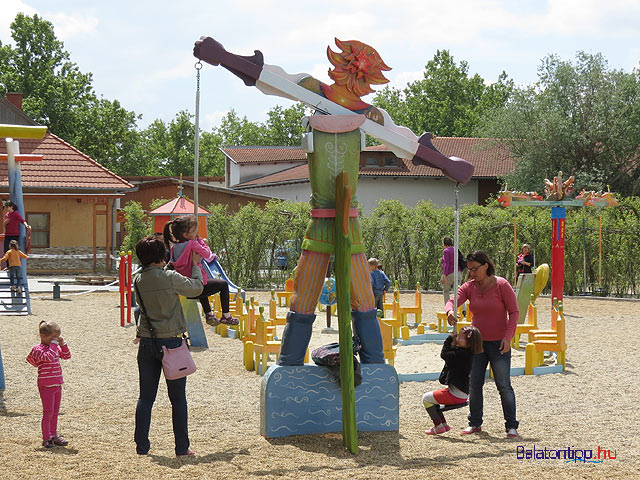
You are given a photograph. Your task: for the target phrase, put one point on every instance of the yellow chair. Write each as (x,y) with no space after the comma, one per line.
(547,341)
(386,306)
(416,309)
(442,326)
(273,311)
(249,327)
(286,294)
(396,320)
(387,341)
(263,344)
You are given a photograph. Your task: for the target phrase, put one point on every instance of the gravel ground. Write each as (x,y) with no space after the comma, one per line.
(591,405)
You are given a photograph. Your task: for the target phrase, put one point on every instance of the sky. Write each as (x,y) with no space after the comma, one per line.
(141,52)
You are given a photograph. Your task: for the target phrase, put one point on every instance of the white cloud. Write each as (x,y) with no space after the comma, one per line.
(401,79)
(69,25)
(212,120)
(9,9)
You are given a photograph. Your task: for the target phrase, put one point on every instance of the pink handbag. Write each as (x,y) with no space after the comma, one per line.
(177,362)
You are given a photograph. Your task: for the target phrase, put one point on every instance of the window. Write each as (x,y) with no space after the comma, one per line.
(39,223)
(371,162)
(390,162)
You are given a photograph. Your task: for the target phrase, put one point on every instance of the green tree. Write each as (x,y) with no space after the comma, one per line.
(137,225)
(447,101)
(58,95)
(580,117)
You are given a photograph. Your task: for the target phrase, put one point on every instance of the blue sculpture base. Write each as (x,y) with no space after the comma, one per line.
(307,399)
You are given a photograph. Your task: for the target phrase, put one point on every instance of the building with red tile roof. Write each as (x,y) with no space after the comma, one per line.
(283,173)
(69,200)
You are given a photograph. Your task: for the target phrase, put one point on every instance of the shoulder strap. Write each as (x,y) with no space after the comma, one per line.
(142,309)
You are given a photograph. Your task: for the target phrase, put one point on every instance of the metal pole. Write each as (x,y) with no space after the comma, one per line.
(584,253)
(197,142)
(456,231)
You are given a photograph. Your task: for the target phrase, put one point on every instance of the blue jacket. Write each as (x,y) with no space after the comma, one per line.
(380,282)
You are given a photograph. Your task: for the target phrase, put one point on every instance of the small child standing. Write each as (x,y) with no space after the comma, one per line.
(379,282)
(181,238)
(13,256)
(46,356)
(457,353)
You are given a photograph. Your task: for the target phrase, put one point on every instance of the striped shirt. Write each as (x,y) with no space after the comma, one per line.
(47,359)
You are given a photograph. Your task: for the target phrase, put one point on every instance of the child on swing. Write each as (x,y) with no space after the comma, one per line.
(181,238)
(457,353)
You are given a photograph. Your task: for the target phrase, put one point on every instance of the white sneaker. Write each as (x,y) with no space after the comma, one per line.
(512,433)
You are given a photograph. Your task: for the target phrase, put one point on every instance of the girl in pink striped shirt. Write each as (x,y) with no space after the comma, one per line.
(46,356)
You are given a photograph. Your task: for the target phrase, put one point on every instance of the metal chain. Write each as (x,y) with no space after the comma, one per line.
(196,162)
(198,66)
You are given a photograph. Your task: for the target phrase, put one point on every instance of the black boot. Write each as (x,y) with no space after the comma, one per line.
(295,338)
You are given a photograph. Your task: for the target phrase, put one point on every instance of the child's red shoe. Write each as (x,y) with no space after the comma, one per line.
(442,428)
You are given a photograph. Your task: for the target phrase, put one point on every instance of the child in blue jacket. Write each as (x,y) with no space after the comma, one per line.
(379,282)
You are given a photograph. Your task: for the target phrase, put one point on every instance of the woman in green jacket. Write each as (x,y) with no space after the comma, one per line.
(162,323)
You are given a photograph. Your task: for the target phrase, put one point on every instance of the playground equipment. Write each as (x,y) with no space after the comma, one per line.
(328,301)
(388,347)
(333,151)
(177,207)
(558,199)
(286,294)
(13,158)
(415,309)
(397,320)
(273,315)
(263,344)
(552,340)
(191,312)
(530,324)
(125,287)
(213,269)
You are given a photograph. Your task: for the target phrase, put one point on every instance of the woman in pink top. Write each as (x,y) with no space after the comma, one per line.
(495,313)
(46,356)
(181,237)
(12,221)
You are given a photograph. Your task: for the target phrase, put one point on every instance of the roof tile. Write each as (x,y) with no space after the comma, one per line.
(489,160)
(63,166)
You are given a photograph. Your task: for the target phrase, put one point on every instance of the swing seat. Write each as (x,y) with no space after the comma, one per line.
(444,408)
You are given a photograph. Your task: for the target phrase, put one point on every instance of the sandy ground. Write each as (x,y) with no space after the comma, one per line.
(592,405)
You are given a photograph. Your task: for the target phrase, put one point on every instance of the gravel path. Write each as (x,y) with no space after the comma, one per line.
(592,405)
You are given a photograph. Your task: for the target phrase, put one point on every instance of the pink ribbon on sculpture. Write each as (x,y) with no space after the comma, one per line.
(331,213)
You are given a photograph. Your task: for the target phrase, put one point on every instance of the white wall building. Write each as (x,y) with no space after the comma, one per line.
(281,172)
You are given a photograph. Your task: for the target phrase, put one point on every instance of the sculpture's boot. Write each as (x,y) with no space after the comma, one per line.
(367,329)
(295,338)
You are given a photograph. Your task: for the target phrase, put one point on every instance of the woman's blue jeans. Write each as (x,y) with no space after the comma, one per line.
(149,368)
(501,366)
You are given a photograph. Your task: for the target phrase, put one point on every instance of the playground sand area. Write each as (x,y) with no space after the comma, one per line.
(591,405)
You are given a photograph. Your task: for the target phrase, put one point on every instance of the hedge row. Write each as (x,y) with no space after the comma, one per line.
(253,242)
